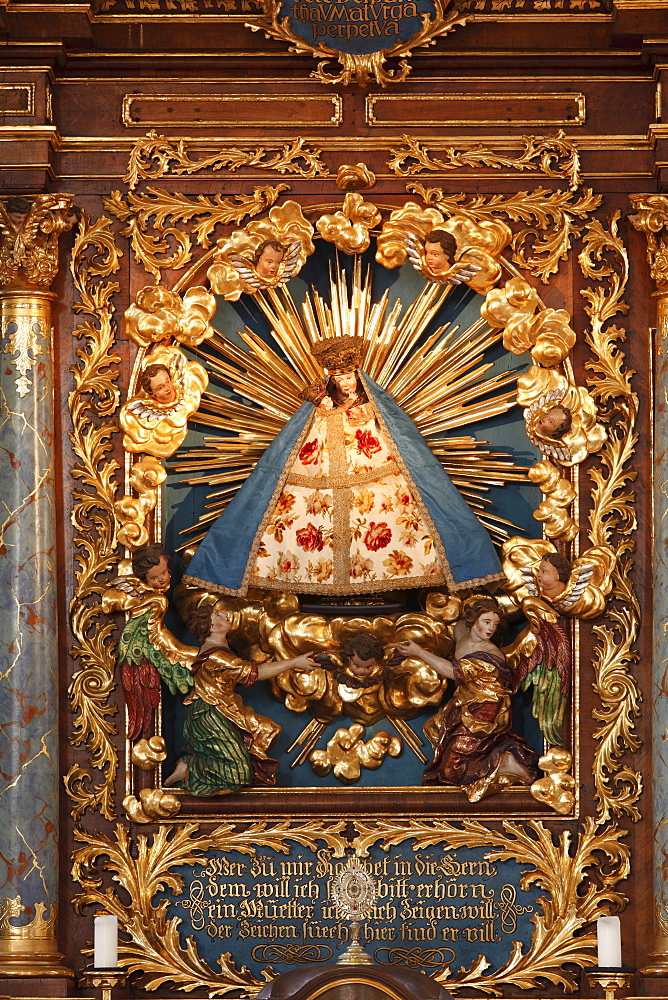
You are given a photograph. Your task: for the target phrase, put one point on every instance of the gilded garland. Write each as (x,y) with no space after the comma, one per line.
(499,240)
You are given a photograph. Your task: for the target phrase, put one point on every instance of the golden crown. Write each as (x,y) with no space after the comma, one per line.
(339,354)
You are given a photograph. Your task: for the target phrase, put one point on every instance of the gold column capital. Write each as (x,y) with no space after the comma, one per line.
(652,220)
(29,231)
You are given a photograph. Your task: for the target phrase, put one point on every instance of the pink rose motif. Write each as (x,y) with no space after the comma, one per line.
(310,538)
(377,536)
(367,444)
(310,453)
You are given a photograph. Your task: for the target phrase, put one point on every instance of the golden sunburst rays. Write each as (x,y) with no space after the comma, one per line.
(442,381)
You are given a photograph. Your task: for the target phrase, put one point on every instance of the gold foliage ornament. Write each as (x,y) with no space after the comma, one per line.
(150,941)
(157,424)
(360,68)
(349,229)
(29,245)
(546,333)
(157,155)
(553,156)
(347,753)
(234,269)
(559,864)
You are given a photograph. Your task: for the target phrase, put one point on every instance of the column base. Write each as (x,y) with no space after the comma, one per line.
(658,960)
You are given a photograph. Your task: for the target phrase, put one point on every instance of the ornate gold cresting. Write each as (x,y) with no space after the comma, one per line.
(29,949)
(156,155)
(361,68)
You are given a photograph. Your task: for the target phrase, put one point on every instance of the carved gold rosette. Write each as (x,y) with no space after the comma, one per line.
(521,236)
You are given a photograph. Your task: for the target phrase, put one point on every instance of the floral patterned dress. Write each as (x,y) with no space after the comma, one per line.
(346,520)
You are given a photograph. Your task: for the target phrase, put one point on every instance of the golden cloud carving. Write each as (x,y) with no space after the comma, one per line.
(153,804)
(547,334)
(233,269)
(354,177)
(553,510)
(347,753)
(349,229)
(556,788)
(159,314)
(157,426)
(584,592)
(391,246)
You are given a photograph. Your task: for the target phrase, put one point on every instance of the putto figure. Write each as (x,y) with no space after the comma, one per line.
(155,421)
(475,747)
(347,499)
(273,264)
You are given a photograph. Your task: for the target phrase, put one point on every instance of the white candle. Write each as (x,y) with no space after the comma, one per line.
(105,942)
(609,940)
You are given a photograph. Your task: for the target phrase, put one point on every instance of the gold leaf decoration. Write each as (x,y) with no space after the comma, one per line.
(170,247)
(347,754)
(156,156)
(556,788)
(558,866)
(552,218)
(93,400)
(153,804)
(150,941)
(612,520)
(553,156)
(354,177)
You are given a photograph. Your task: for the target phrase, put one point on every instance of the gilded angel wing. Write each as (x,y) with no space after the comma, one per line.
(541,657)
(414,251)
(527,575)
(247,272)
(290,261)
(580,577)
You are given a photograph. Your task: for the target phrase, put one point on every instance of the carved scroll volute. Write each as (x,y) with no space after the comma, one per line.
(29,231)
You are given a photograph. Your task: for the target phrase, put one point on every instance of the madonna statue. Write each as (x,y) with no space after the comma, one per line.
(348,499)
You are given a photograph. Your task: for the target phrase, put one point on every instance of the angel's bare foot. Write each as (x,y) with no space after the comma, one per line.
(180,773)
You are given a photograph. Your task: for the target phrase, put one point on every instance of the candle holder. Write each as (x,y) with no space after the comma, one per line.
(104,979)
(611,979)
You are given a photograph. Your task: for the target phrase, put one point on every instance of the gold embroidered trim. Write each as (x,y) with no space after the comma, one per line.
(338,464)
(343,482)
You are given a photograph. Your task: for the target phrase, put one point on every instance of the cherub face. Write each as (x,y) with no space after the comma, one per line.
(486,625)
(435,256)
(163,389)
(346,383)
(359,667)
(547,423)
(269,262)
(158,577)
(17,219)
(547,576)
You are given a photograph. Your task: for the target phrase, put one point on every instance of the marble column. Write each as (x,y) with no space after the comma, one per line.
(29,774)
(652,219)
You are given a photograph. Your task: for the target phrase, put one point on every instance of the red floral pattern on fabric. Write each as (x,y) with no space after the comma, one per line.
(310,453)
(366,443)
(310,538)
(377,536)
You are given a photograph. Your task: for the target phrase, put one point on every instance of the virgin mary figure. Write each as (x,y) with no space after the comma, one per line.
(347,499)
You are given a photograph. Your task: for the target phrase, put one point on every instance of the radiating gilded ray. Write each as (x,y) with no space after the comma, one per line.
(442,381)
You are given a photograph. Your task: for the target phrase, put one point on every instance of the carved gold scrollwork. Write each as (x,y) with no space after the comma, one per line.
(360,68)
(29,248)
(171,247)
(553,156)
(92,402)
(612,521)
(558,866)
(151,942)
(652,220)
(156,155)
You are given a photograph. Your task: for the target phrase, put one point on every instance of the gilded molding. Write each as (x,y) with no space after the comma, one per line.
(156,156)
(91,405)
